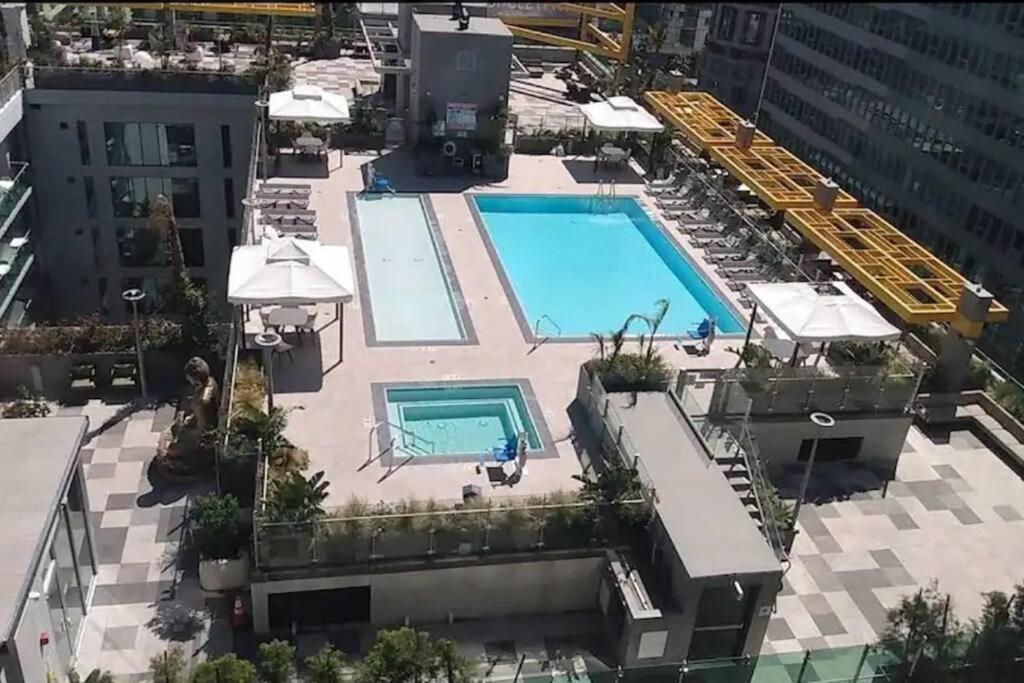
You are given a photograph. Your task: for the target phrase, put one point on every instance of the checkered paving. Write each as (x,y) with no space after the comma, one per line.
(338,75)
(952,514)
(142,601)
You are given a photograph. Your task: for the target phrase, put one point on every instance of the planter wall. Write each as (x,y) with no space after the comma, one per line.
(224,575)
(48,375)
(83,78)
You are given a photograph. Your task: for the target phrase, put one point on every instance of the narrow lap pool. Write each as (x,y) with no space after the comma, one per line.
(467,420)
(587,264)
(410,293)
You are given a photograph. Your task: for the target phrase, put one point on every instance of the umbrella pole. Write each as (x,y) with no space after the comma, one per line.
(341,331)
(750,327)
(796,354)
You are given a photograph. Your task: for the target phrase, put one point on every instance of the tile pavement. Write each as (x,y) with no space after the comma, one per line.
(142,600)
(954,514)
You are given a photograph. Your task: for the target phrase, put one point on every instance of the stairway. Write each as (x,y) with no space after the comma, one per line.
(733,467)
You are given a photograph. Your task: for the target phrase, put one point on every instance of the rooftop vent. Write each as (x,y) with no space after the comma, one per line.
(745,135)
(825,193)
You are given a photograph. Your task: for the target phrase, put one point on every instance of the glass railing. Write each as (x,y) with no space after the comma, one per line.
(782,391)
(16,255)
(12,189)
(11,84)
(531,525)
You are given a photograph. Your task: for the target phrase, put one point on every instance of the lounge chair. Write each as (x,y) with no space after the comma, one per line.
(287,204)
(124,374)
(725,255)
(726,265)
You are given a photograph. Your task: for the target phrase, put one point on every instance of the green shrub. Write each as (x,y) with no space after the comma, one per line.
(326,666)
(168,667)
(89,336)
(218,527)
(277,661)
(28,404)
(226,669)
(631,372)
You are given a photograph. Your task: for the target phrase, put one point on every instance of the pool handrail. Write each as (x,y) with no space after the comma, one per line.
(403,430)
(536,329)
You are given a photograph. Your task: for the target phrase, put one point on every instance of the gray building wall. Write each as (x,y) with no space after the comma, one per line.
(779,439)
(79,251)
(466,592)
(736,53)
(437,78)
(916,109)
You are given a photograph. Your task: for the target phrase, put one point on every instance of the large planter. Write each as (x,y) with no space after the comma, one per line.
(224,575)
(47,375)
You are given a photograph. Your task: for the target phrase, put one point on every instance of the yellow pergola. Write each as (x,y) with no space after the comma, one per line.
(704,121)
(911,281)
(780,179)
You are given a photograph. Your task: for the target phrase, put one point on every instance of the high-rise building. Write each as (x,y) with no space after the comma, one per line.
(685,24)
(918,110)
(736,52)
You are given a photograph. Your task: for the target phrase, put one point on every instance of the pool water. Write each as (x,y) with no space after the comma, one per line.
(409,291)
(589,263)
(458,420)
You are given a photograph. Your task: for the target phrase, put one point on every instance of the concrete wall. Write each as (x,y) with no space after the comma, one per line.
(779,439)
(72,260)
(435,80)
(477,591)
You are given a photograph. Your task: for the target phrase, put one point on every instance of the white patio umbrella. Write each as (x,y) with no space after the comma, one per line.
(308,104)
(620,114)
(291,272)
(806,315)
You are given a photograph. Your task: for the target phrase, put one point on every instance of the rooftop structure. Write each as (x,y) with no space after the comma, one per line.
(702,118)
(912,282)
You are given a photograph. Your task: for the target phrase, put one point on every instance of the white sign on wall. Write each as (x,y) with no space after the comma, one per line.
(460,116)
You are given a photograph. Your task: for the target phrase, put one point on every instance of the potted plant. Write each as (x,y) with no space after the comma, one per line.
(221,537)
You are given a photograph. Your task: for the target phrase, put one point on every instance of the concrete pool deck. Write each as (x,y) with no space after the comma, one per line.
(336,404)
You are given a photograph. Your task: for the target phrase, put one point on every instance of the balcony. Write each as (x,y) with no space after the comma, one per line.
(16,258)
(14,191)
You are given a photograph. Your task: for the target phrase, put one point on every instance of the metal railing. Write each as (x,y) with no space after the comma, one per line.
(11,83)
(802,390)
(430,530)
(12,195)
(394,437)
(605,422)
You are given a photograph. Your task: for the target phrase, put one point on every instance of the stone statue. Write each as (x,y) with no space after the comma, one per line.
(184,453)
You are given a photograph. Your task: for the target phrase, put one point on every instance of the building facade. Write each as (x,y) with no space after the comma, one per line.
(916,109)
(736,52)
(103,148)
(50,558)
(686,25)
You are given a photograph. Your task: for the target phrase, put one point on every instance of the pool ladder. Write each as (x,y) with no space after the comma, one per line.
(537,339)
(391,444)
(605,196)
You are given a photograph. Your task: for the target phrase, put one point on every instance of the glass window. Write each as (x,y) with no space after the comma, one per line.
(158,292)
(225,145)
(90,196)
(150,144)
(131,196)
(66,575)
(753,27)
(229,197)
(80,540)
(83,144)
(726,23)
(141,247)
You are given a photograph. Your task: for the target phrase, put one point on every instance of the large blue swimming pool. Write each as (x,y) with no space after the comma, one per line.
(587,264)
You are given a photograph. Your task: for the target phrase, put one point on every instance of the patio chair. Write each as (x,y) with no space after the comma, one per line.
(125,374)
(82,376)
(702,330)
(725,266)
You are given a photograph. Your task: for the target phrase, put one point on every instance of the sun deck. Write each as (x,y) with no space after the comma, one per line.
(337,412)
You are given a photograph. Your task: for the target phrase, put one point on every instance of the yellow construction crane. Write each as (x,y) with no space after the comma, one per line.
(592,38)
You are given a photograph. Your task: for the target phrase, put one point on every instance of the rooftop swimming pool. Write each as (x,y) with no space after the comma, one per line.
(458,419)
(584,264)
(409,291)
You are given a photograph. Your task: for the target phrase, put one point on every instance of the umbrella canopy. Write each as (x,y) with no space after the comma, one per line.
(806,315)
(310,104)
(620,114)
(290,272)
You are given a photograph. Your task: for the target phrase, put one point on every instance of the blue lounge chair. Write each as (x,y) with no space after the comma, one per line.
(702,330)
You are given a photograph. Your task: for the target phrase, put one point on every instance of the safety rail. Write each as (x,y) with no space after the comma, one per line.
(11,83)
(538,340)
(391,443)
